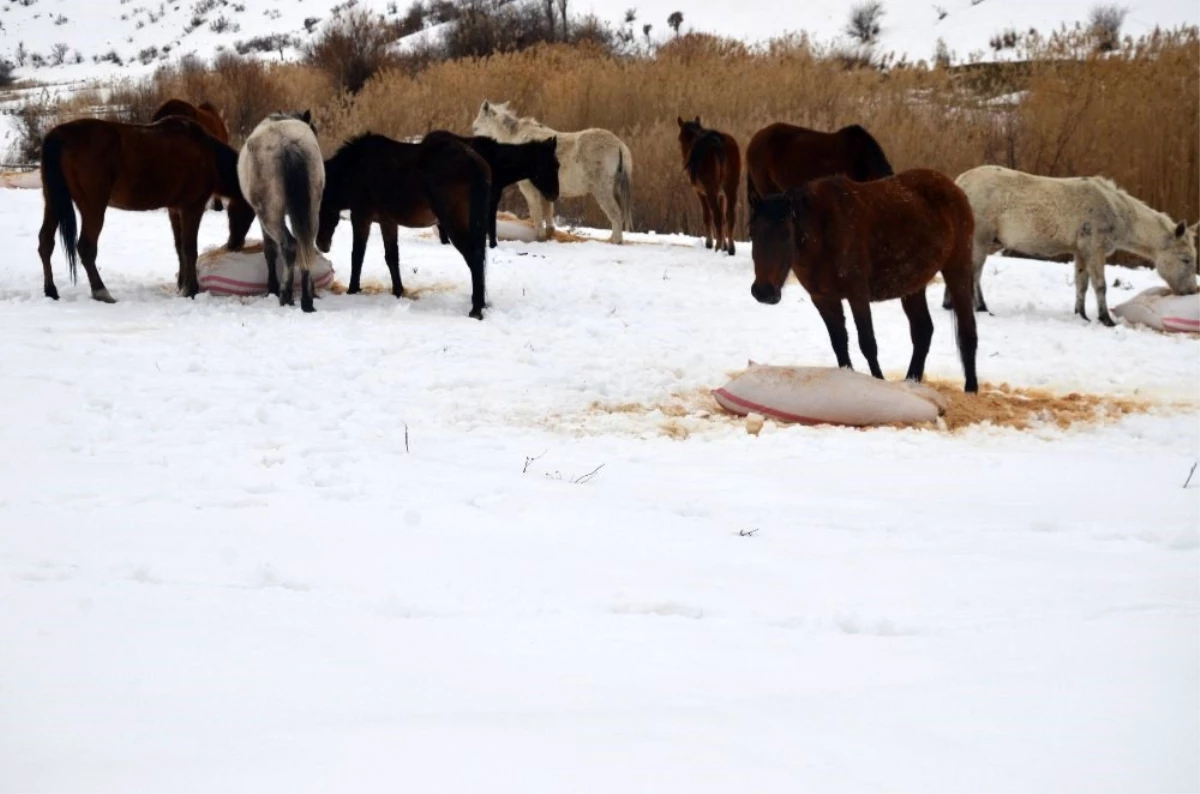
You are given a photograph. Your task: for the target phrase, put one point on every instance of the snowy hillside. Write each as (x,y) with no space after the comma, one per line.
(248,549)
(80,39)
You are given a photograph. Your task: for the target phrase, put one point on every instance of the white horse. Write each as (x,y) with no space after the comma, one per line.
(282,174)
(590,161)
(1087,217)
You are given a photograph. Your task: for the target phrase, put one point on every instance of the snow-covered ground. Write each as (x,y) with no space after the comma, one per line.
(242,548)
(138,31)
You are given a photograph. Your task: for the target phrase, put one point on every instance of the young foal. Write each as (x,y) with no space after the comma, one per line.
(98,164)
(509,163)
(1087,217)
(283,176)
(870,241)
(780,156)
(204,114)
(394,184)
(713,163)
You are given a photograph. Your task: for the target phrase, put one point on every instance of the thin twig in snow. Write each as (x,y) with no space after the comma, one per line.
(1190,473)
(587,477)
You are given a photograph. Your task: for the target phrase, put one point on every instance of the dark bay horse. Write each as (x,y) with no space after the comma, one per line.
(535,161)
(394,184)
(99,164)
(206,115)
(871,241)
(713,163)
(782,156)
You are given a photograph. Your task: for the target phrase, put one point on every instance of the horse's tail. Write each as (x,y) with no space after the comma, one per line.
(869,161)
(299,200)
(57,194)
(622,191)
(708,143)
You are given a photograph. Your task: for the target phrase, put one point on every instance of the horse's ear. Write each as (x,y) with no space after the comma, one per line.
(486,107)
(1181,229)
(679,121)
(698,121)
(306,116)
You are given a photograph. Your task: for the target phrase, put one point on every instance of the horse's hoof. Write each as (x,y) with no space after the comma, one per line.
(707,242)
(52,293)
(1082,315)
(353,289)
(307,307)
(103,296)
(971,387)
(1107,320)
(981,308)
(492,244)
(476,313)
(732,249)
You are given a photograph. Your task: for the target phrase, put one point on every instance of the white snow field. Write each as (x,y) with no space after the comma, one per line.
(245,549)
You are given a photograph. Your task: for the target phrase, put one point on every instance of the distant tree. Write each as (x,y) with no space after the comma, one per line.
(675,21)
(1105,21)
(864,24)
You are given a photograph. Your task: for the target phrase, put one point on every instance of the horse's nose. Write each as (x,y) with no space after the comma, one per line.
(764,293)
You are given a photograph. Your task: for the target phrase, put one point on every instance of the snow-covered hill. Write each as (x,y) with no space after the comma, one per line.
(80,39)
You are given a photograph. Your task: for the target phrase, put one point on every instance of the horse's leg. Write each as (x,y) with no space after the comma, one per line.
(1081,285)
(706,208)
(860,307)
(610,207)
(979,252)
(176,233)
(271,254)
(91,222)
(391,253)
(920,326)
(835,323)
(537,207)
(46,250)
(442,236)
(1100,287)
(287,294)
(718,212)
(493,208)
(189,229)
(729,200)
(360,225)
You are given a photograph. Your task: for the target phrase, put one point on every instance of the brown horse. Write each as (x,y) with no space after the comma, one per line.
(782,156)
(98,164)
(713,163)
(206,115)
(441,180)
(871,241)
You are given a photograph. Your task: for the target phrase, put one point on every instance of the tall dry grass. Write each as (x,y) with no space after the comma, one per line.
(1132,114)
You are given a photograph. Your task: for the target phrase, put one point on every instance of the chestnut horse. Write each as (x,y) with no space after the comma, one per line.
(440,180)
(871,241)
(781,156)
(713,163)
(98,164)
(204,114)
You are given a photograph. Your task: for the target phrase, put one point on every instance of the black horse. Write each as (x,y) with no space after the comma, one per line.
(510,163)
(383,181)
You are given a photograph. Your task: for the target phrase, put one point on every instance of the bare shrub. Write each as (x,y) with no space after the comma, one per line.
(1105,21)
(864,25)
(276,42)
(7,77)
(352,47)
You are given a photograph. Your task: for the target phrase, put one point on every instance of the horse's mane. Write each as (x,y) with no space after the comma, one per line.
(871,163)
(1130,200)
(706,142)
(227,160)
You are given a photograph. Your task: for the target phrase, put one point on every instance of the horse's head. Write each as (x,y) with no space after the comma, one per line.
(331,205)
(305,116)
(241,215)
(495,120)
(1176,259)
(689,131)
(545,167)
(773,224)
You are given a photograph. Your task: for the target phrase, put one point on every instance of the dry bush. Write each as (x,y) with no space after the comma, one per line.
(352,47)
